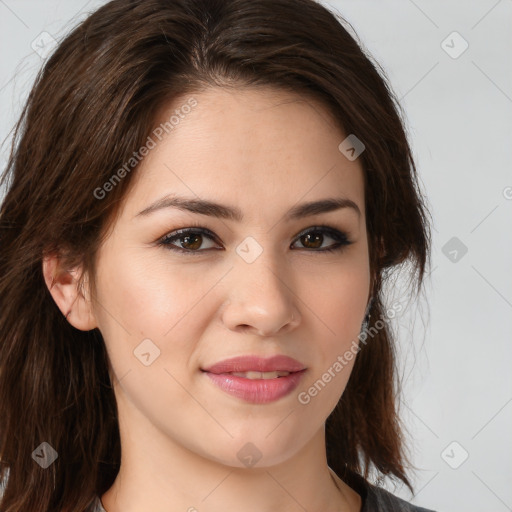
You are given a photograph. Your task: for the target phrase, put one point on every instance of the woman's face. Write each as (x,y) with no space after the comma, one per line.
(250,287)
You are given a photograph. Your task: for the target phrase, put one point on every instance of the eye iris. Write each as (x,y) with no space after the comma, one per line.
(185,240)
(309,236)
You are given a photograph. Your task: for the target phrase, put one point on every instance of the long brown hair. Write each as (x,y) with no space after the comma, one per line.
(93,104)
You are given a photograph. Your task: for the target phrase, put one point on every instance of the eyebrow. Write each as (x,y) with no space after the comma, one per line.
(212,209)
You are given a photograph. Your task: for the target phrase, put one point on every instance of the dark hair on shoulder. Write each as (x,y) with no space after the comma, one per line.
(93,104)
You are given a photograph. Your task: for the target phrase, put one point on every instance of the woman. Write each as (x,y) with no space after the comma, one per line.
(206,200)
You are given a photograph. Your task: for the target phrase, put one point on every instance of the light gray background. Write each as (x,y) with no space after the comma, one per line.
(455,344)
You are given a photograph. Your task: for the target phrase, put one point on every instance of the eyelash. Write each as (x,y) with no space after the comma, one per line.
(339,236)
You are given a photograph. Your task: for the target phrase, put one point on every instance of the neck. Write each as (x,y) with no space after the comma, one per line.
(158,473)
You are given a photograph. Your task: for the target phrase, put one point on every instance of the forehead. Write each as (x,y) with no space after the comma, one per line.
(248,146)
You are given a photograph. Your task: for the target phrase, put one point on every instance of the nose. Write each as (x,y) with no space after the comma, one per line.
(260,298)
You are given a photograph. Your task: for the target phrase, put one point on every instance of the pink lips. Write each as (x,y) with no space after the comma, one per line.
(256,390)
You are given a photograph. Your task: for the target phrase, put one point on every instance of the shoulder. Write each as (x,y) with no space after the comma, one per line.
(380,499)
(377,498)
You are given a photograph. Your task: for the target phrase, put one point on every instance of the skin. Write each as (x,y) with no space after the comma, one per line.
(263,151)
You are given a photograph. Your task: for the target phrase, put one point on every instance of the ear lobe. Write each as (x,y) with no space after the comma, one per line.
(63,286)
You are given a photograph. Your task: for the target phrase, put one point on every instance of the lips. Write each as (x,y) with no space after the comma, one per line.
(243,364)
(255,379)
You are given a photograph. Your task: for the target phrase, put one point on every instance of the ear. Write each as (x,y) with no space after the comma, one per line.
(63,285)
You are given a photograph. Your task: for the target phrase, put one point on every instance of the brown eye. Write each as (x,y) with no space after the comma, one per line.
(314,238)
(312,241)
(190,240)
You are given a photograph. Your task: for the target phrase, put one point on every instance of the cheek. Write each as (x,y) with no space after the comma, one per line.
(141,299)
(336,298)
(336,295)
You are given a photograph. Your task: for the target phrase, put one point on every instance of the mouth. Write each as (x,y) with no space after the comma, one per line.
(256,387)
(255,379)
(256,367)
(252,375)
